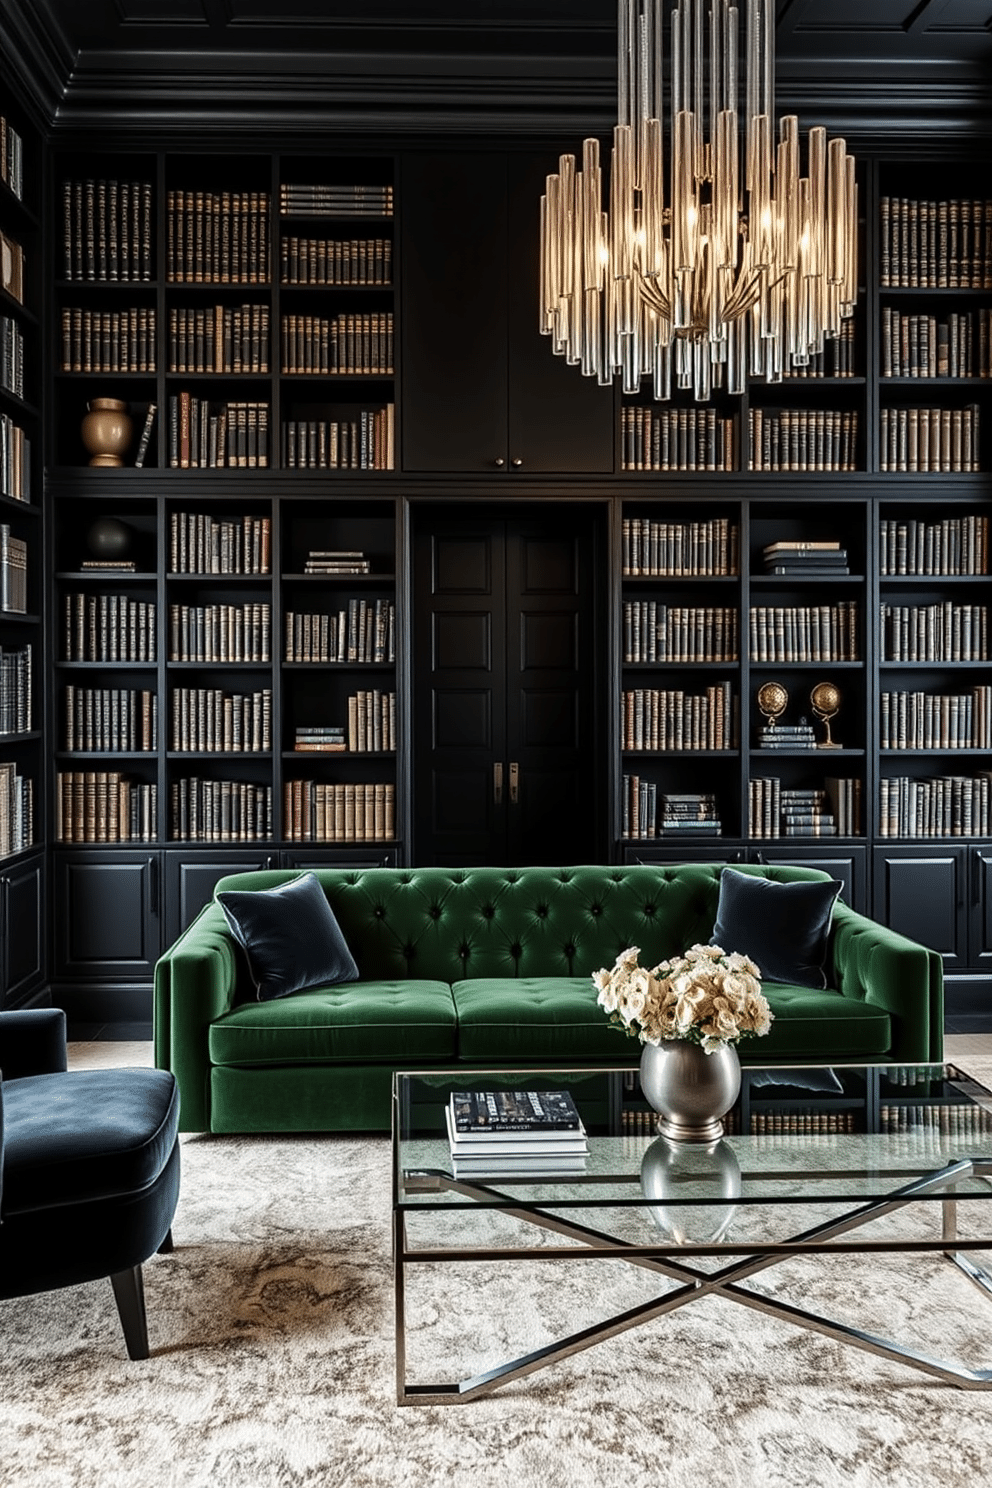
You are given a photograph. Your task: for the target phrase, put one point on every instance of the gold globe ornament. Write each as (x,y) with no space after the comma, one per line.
(772,701)
(825,702)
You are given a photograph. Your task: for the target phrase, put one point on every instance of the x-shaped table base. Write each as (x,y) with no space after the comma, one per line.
(695,1283)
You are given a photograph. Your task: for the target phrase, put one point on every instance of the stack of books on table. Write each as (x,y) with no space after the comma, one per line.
(515,1133)
(805,558)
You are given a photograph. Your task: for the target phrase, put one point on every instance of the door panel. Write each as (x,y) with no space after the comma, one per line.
(505,657)
(920,894)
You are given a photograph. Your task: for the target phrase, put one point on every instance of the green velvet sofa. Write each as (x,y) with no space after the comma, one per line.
(491,967)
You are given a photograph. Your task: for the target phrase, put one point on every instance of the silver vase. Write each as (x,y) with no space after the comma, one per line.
(691,1090)
(697,1173)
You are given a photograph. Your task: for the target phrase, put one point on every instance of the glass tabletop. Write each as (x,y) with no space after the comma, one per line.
(807,1135)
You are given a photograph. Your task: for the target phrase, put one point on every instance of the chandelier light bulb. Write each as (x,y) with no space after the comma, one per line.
(714,258)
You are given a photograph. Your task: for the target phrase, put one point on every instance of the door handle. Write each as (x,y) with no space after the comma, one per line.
(514,782)
(978,865)
(498,785)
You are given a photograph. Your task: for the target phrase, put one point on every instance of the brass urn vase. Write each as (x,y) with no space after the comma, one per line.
(106,429)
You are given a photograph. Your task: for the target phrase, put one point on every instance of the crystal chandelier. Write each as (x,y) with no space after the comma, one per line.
(715,258)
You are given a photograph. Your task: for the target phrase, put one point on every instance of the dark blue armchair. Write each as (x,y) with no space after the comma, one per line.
(89,1169)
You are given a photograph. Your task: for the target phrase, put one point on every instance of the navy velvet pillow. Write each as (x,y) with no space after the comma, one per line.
(783,927)
(290,937)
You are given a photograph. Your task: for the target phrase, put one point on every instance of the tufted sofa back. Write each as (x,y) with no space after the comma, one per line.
(451,924)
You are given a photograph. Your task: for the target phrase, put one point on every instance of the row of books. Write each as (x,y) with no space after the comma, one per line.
(515,1133)
(935,244)
(220,811)
(955,545)
(372,721)
(13,571)
(11,157)
(708,549)
(802,559)
(12,267)
(340,199)
(199,544)
(648,812)
(937,806)
(16,810)
(923,720)
(656,632)
(209,720)
(11,356)
(936,632)
(108,627)
(809,439)
(802,1122)
(657,719)
(938,440)
(220,632)
(336,261)
(363,632)
(110,720)
(104,806)
(217,237)
(318,812)
(923,346)
(362,443)
(677,439)
(948,1118)
(15,460)
(355,343)
(15,690)
(777,810)
(108,340)
(224,338)
(810,633)
(204,435)
(106,230)
(835,360)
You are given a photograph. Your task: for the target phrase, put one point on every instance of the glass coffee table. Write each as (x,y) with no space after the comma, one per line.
(876,1160)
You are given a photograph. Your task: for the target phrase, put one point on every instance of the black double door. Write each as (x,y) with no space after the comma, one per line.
(507,650)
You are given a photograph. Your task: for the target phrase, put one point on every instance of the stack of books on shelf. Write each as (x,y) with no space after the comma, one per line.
(16,810)
(337,261)
(935,244)
(525,1133)
(940,806)
(200,545)
(844,792)
(937,632)
(956,545)
(108,340)
(320,739)
(922,720)
(775,810)
(11,356)
(364,632)
(219,811)
(204,435)
(365,442)
(104,806)
(922,346)
(208,720)
(939,440)
(110,720)
(689,813)
(802,439)
(12,267)
(217,632)
(339,200)
(680,549)
(109,627)
(787,736)
(15,691)
(108,565)
(671,719)
(217,237)
(13,571)
(357,343)
(805,558)
(336,561)
(372,722)
(657,632)
(106,231)
(805,632)
(677,439)
(15,460)
(222,339)
(317,811)
(11,158)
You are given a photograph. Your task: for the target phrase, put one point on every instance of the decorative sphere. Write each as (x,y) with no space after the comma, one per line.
(772,698)
(109,538)
(825,698)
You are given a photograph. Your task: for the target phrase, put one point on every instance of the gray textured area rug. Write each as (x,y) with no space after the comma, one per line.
(272,1334)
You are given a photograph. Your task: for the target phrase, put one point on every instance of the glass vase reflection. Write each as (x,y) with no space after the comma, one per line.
(705,1177)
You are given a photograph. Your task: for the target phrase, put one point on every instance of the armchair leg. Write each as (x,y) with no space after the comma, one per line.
(130,1297)
(167,1246)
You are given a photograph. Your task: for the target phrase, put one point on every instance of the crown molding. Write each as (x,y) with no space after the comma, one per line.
(38,55)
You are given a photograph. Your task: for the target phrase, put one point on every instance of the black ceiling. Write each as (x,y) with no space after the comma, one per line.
(477,65)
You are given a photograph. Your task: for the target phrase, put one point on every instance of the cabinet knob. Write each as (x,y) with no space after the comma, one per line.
(499,462)
(516,463)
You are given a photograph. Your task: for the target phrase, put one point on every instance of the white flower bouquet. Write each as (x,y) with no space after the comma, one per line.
(706,996)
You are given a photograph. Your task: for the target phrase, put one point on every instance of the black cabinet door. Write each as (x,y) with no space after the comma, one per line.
(107,916)
(980,917)
(920,893)
(481,388)
(190,880)
(847,865)
(23,916)
(505,665)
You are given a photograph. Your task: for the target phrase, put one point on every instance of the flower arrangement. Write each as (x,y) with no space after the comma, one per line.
(706,996)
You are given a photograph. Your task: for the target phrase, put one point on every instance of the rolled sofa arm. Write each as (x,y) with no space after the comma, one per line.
(195,982)
(32,1042)
(877,965)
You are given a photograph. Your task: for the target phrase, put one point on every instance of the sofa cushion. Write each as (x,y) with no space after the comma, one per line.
(819,1025)
(783,927)
(90,1134)
(290,937)
(355,1022)
(536,1018)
